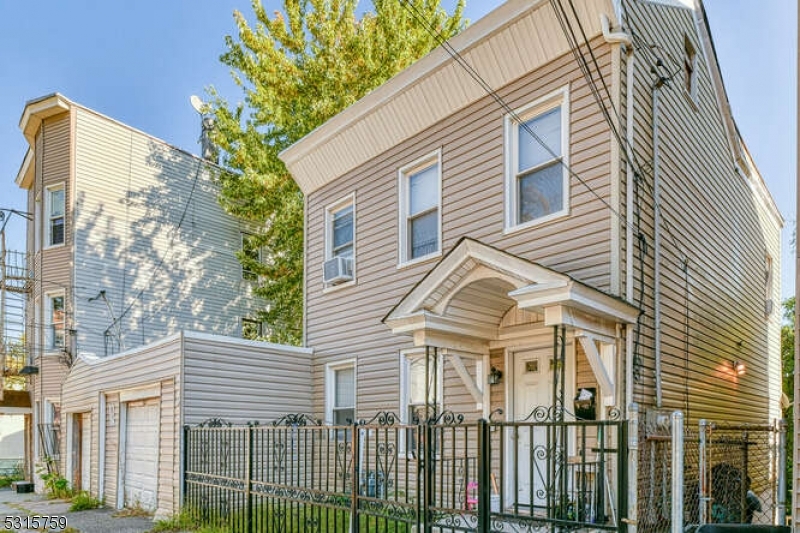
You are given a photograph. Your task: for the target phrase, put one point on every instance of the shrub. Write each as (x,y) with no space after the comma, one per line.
(83,501)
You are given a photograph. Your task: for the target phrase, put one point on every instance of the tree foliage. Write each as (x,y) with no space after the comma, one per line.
(787,363)
(298,68)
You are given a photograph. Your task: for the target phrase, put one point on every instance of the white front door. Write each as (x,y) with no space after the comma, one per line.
(533,388)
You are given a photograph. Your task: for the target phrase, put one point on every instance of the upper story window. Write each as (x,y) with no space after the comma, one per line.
(54,210)
(689,68)
(420,209)
(768,277)
(55,322)
(252,255)
(339,242)
(252,329)
(537,179)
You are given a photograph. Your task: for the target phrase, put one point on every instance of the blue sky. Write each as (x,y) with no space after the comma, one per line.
(138,62)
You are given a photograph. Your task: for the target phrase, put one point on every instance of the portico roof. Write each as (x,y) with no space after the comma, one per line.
(467,293)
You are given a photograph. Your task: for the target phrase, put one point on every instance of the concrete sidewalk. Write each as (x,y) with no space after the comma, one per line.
(93,521)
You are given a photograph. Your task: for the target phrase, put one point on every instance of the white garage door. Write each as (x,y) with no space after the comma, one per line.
(141,454)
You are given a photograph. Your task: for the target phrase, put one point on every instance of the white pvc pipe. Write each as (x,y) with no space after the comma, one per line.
(657,248)
(677,472)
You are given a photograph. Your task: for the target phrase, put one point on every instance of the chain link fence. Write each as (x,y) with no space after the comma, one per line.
(732,474)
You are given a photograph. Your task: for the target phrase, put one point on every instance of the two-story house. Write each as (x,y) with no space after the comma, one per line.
(563,186)
(139,310)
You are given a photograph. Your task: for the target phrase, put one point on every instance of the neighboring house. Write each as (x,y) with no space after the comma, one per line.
(127,244)
(438,221)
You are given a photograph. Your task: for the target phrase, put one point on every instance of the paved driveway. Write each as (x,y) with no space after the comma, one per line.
(94,521)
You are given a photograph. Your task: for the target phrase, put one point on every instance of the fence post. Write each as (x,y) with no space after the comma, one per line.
(186,450)
(622,477)
(781,507)
(354,481)
(248,495)
(429,471)
(633,469)
(484,477)
(703,472)
(677,472)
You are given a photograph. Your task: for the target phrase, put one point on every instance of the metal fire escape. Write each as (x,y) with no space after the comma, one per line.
(15,284)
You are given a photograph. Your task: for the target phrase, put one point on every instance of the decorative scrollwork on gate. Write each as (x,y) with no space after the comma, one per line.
(215,423)
(297,419)
(447,418)
(383,418)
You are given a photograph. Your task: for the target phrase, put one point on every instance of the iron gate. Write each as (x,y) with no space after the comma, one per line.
(382,476)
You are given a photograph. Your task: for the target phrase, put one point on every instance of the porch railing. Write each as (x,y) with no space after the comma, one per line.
(382,476)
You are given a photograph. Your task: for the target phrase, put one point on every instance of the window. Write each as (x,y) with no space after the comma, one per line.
(689,68)
(420,217)
(537,180)
(768,275)
(339,242)
(341,393)
(413,391)
(55,216)
(251,257)
(55,322)
(252,329)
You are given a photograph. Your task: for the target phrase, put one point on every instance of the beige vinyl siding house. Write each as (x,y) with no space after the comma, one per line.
(127,245)
(185,378)
(643,246)
(716,215)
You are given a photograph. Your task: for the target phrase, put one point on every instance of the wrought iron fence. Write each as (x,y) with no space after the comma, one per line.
(382,476)
(731,474)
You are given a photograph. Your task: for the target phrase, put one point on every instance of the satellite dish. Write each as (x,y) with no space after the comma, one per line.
(197,103)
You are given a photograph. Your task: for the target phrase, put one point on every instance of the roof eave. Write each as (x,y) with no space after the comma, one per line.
(38,110)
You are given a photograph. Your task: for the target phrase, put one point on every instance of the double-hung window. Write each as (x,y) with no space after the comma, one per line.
(252,329)
(537,179)
(55,317)
(420,209)
(55,209)
(251,255)
(341,393)
(689,69)
(340,242)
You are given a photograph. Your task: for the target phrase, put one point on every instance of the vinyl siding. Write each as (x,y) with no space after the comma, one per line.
(346,323)
(150,232)
(155,364)
(721,222)
(242,381)
(50,265)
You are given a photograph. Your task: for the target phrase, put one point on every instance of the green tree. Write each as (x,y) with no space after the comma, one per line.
(787,361)
(298,68)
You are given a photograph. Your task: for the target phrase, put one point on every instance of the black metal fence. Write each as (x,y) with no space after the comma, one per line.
(382,476)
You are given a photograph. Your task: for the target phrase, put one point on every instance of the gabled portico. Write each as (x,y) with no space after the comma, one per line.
(461,306)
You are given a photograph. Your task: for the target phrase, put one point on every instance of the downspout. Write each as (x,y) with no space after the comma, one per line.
(623,38)
(657,244)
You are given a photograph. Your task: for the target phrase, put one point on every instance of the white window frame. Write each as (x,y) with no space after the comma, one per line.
(249,275)
(330,211)
(49,217)
(48,335)
(330,387)
(403,175)
(548,102)
(405,383)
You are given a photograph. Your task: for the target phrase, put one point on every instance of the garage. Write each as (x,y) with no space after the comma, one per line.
(140,466)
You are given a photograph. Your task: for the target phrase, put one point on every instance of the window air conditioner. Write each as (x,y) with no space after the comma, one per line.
(338,270)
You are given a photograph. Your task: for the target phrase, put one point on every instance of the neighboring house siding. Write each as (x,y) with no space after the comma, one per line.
(133,193)
(243,381)
(50,266)
(717,219)
(346,323)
